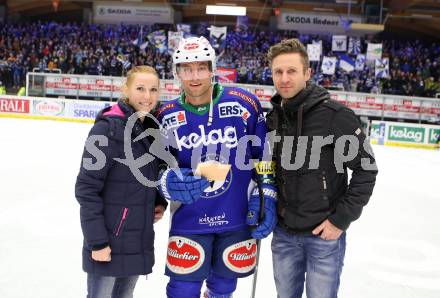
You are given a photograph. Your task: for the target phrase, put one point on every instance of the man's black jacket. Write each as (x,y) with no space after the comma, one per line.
(315,186)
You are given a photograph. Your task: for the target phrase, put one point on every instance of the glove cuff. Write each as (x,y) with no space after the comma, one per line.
(163,184)
(268,191)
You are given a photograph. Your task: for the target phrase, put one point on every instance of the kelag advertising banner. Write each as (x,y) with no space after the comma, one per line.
(404,134)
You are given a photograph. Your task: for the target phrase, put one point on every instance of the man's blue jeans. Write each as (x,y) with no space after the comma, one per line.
(299,258)
(110,287)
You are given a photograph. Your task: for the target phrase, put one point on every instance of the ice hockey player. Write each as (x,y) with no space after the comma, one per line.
(211,237)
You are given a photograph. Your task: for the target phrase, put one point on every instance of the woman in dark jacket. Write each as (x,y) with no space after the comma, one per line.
(117,210)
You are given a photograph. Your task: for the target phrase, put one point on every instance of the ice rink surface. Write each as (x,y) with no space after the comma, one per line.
(393,251)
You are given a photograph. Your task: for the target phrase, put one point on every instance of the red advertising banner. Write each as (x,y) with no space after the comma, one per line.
(84,86)
(342,98)
(8,105)
(402,108)
(169,90)
(61,85)
(365,105)
(430,111)
(264,94)
(226,75)
(94,87)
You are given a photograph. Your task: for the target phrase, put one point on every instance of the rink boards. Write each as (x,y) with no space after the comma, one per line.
(382,132)
(404,134)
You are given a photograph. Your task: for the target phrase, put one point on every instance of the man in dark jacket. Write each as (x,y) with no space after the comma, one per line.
(316,140)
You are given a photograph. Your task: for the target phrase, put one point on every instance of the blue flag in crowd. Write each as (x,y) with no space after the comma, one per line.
(185,28)
(346,63)
(354,45)
(382,68)
(242,23)
(159,40)
(140,38)
(217,37)
(360,62)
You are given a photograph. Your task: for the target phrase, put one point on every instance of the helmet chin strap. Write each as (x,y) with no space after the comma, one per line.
(211,108)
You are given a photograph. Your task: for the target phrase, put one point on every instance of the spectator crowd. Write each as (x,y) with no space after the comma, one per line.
(106,49)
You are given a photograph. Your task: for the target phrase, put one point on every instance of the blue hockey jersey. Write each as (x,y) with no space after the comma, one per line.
(236,136)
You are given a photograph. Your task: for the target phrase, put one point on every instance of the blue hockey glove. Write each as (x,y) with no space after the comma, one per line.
(265,227)
(186,190)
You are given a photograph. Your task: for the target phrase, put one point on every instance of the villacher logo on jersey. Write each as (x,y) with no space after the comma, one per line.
(184,255)
(228,136)
(241,257)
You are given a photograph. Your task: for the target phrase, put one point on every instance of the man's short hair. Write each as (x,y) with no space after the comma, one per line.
(288,46)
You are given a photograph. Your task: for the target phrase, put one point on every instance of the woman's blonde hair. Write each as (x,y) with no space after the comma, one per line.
(140,69)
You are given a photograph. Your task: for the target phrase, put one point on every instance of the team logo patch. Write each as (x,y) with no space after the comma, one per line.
(217,187)
(173,120)
(241,257)
(184,255)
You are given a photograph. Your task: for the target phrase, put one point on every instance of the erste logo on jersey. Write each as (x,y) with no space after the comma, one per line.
(241,257)
(173,120)
(227,136)
(184,255)
(233,109)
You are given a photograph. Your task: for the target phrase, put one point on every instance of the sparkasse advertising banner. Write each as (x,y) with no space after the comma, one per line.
(312,22)
(132,13)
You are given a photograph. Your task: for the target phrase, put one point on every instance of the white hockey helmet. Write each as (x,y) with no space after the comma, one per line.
(193,49)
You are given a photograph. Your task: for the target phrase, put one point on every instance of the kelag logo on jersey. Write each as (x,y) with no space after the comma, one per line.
(233,109)
(174,120)
(227,136)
